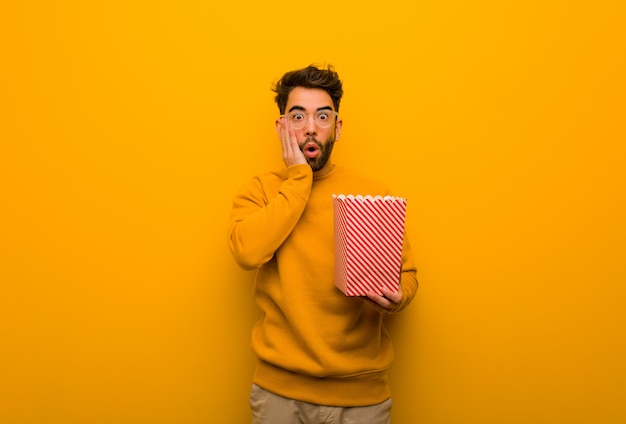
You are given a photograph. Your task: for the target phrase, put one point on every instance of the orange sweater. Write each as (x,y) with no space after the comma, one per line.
(313,343)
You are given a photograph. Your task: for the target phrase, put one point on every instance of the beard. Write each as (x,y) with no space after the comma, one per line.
(325,150)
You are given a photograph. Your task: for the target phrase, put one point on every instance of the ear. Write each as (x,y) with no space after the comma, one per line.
(338,126)
(278,125)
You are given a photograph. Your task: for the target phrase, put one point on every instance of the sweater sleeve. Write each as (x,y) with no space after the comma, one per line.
(260,224)
(408,278)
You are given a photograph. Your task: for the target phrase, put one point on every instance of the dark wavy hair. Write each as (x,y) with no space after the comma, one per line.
(310,77)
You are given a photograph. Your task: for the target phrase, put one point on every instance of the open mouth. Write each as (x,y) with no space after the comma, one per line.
(311,149)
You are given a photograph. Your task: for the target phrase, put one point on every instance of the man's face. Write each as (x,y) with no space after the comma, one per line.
(315,142)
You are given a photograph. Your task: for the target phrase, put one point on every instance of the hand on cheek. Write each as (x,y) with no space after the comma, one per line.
(292,155)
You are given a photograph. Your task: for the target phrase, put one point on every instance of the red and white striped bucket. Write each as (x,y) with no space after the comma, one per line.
(369,231)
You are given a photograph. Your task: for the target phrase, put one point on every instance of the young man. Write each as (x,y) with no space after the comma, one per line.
(322,356)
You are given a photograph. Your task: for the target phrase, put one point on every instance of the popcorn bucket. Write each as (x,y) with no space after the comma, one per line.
(369,231)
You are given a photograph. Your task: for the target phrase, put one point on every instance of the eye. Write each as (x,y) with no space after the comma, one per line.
(297,116)
(323,116)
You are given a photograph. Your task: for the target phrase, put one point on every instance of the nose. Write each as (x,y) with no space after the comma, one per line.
(310,129)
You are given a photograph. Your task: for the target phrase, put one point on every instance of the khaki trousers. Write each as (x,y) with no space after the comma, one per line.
(268,408)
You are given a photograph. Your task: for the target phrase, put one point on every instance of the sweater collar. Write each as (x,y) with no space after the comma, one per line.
(323,173)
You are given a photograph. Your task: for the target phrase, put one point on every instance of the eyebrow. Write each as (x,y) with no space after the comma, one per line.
(297,107)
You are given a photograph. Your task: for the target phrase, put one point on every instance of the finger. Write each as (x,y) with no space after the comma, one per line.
(395,297)
(293,141)
(286,142)
(385,303)
(283,134)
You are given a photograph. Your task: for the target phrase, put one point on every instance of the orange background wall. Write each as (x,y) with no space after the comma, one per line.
(127,126)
